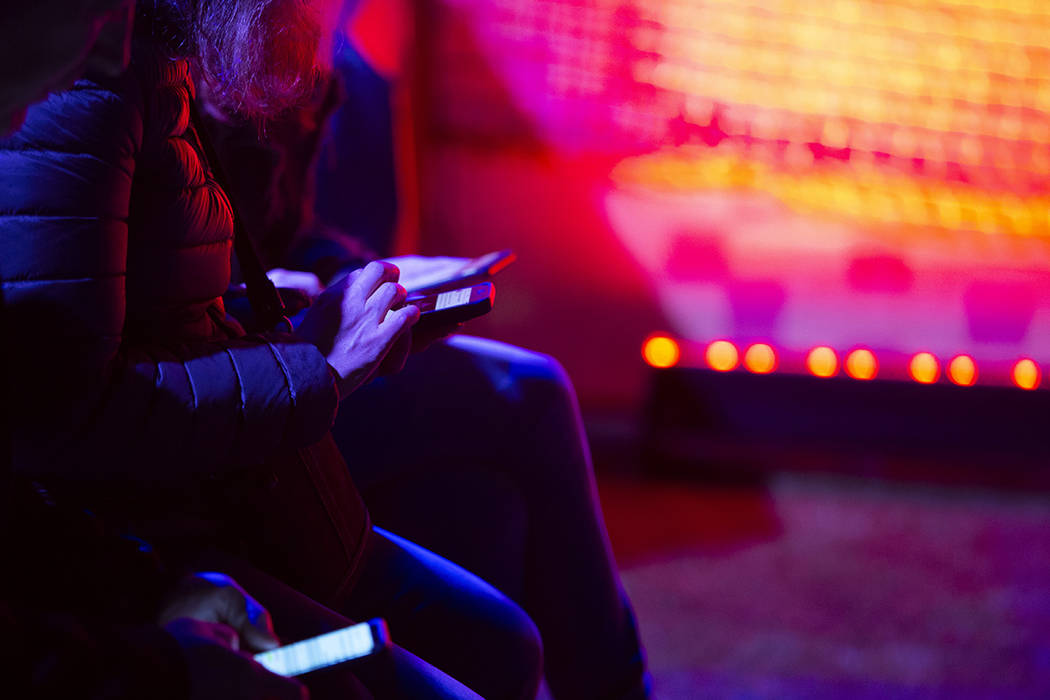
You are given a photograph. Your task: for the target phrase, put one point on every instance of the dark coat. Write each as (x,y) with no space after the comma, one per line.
(115,247)
(124,370)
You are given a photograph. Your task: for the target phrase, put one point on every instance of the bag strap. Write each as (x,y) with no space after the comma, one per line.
(266,301)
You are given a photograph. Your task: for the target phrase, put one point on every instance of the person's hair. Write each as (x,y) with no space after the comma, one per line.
(257,58)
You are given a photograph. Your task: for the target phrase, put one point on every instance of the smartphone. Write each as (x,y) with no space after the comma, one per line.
(473,271)
(328,649)
(455,306)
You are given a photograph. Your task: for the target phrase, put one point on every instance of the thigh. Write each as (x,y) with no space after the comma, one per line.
(472,514)
(449,617)
(462,400)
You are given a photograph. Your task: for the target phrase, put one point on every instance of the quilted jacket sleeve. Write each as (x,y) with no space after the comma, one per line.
(91,401)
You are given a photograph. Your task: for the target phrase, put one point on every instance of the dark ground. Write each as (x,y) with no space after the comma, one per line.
(828,585)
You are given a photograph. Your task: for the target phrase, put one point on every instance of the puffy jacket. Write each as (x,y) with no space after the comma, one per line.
(115,246)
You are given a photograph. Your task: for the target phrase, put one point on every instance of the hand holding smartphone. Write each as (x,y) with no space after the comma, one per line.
(448,309)
(340,646)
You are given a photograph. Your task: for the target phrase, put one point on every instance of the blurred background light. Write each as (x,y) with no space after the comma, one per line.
(722,355)
(822,362)
(801,173)
(924,368)
(962,370)
(1026,374)
(661,351)
(861,364)
(760,359)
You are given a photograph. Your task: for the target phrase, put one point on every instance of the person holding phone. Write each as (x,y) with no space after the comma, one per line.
(58,645)
(197,650)
(139,396)
(54,652)
(475,427)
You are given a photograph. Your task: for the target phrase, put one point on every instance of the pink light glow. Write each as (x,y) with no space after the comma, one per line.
(847,174)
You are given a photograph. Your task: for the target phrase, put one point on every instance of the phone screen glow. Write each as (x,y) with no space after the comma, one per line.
(318,652)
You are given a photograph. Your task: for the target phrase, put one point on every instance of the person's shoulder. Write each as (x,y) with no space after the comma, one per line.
(90,117)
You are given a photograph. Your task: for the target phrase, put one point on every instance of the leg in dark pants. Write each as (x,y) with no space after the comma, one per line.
(449,617)
(476,451)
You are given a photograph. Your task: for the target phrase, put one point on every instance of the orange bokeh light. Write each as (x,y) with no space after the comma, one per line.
(924,368)
(962,370)
(722,355)
(1026,374)
(760,359)
(822,361)
(661,351)
(861,364)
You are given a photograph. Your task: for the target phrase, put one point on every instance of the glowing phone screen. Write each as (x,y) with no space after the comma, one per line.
(318,652)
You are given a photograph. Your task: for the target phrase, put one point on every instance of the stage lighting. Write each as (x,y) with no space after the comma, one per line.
(861,364)
(1026,374)
(962,370)
(822,361)
(661,352)
(760,359)
(722,355)
(924,368)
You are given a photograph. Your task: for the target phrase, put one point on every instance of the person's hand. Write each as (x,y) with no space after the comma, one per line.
(420,272)
(305,282)
(212,597)
(217,671)
(361,325)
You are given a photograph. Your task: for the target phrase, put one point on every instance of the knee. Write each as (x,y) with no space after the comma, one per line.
(520,648)
(500,653)
(514,370)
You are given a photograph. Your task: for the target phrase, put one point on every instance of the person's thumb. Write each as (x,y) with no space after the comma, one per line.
(251,620)
(258,637)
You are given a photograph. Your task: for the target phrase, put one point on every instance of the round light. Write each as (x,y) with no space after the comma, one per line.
(722,355)
(1026,374)
(924,368)
(861,364)
(661,351)
(760,359)
(822,361)
(962,370)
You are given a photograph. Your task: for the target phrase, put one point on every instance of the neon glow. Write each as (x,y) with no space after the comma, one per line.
(822,362)
(661,351)
(861,364)
(1026,374)
(760,359)
(924,368)
(962,370)
(722,355)
(859,173)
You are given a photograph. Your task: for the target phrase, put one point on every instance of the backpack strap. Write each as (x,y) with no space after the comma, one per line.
(266,301)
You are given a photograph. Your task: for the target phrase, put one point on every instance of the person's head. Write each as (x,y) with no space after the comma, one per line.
(256,57)
(45,45)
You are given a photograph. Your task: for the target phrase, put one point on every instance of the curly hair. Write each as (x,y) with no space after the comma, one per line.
(256,58)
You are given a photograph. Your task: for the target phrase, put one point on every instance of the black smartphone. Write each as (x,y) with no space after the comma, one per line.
(473,271)
(328,649)
(455,306)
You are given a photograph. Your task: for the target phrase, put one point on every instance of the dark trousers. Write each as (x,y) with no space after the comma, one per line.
(476,451)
